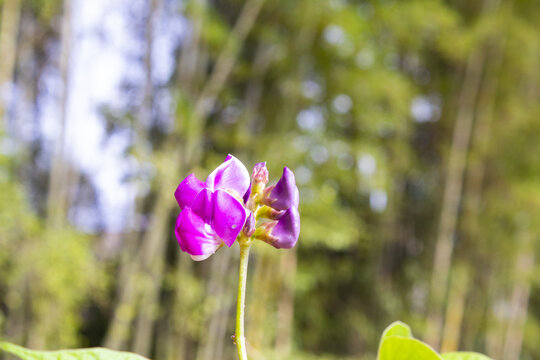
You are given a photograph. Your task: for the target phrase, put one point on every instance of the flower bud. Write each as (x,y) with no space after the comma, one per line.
(281,234)
(284,194)
(249,226)
(260,173)
(259,178)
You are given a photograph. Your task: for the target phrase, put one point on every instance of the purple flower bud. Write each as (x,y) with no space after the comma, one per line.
(284,233)
(260,173)
(284,194)
(249,226)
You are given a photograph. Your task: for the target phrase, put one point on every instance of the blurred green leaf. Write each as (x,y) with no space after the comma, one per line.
(397,328)
(464,356)
(79,354)
(404,348)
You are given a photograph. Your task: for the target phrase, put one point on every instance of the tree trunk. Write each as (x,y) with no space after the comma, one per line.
(58,194)
(218,299)
(285,314)
(453,188)
(481,143)
(524,265)
(151,282)
(455,309)
(62,179)
(495,324)
(519,301)
(9,28)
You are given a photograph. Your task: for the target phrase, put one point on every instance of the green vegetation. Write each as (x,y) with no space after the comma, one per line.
(82,354)
(411,126)
(396,343)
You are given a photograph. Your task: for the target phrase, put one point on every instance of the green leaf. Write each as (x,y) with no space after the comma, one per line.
(79,354)
(404,348)
(397,328)
(464,356)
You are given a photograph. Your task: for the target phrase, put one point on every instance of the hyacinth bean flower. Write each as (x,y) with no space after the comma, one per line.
(216,211)
(213,212)
(284,194)
(283,233)
(227,207)
(281,205)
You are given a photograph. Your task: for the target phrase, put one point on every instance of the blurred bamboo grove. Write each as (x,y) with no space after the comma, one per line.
(412,127)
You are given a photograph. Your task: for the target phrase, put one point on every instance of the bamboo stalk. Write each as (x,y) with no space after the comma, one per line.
(285,314)
(179,161)
(9,29)
(57,200)
(455,310)
(519,305)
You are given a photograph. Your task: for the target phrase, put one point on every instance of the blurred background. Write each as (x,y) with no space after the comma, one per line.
(412,127)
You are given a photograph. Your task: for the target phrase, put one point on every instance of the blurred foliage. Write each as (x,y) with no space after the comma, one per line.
(49,273)
(397,343)
(96,353)
(360,99)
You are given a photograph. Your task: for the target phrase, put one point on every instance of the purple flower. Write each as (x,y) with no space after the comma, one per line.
(282,234)
(284,194)
(212,213)
(216,211)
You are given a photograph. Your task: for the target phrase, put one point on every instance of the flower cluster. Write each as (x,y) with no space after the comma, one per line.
(230,206)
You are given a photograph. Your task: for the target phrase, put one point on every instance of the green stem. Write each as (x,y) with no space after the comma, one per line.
(239,336)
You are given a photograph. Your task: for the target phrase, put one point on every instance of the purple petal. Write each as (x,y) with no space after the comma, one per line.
(178,237)
(247,195)
(203,205)
(285,233)
(231,176)
(296,198)
(187,190)
(284,194)
(196,237)
(229,216)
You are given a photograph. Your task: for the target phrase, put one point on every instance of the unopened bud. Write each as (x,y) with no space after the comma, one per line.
(259,179)
(260,173)
(249,226)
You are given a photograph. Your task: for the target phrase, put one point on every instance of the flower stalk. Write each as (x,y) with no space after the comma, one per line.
(240,338)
